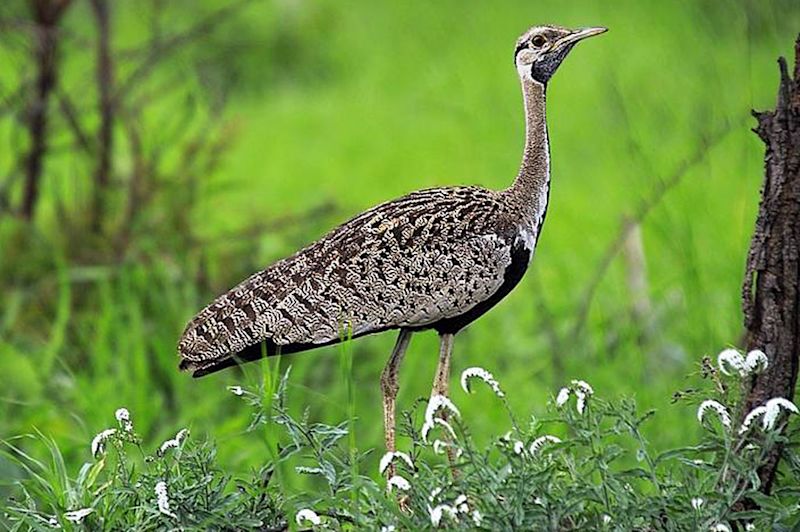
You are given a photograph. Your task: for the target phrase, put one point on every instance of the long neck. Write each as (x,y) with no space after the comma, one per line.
(531,187)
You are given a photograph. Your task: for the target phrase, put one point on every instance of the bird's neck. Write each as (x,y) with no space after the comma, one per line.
(531,187)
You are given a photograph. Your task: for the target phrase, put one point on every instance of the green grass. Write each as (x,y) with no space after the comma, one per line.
(584,464)
(375,100)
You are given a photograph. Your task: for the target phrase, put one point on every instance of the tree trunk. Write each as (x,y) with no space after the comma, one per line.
(771,289)
(46,15)
(105,89)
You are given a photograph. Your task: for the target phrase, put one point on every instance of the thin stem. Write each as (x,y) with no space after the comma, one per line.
(270,378)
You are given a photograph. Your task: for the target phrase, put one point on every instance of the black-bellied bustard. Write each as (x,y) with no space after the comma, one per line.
(434,259)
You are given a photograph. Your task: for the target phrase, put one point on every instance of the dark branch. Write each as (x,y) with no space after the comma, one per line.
(46,15)
(105,88)
(629,223)
(162,47)
(72,118)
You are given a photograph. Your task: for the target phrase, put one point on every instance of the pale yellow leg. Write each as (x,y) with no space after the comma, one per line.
(441,381)
(389,387)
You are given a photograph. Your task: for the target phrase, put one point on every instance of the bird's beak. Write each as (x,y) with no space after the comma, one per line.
(578,35)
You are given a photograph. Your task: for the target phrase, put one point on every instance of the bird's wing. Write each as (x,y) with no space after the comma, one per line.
(428,256)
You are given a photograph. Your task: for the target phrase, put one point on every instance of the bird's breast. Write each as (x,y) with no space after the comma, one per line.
(526,237)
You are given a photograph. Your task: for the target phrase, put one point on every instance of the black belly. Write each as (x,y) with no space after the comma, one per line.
(520,258)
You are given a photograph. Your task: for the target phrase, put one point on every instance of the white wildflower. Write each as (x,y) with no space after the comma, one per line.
(697,502)
(733,359)
(389,457)
(99,441)
(583,386)
(386,459)
(721,527)
(769,412)
(428,425)
(749,527)
(307,515)
(303,470)
(482,374)
(477,518)
(426,428)
(398,482)
(581,403)
(540,441)
(162,498)
(174,442)
(439,446)
(167,445)
(434,493)
(774,406)
(518,447)
(756,361)
(436,403)
(582,391)
(461,504)
(447,426)
(562,397)
(437,513)
(389,528)
(539,501)
(124,419)
(721,411)
(236,390)
(76,516)
(606,519)
(749,418)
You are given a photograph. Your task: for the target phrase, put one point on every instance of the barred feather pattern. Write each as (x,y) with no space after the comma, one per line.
(437,258)
(430,255)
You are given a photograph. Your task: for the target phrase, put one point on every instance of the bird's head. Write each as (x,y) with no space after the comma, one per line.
(541,49)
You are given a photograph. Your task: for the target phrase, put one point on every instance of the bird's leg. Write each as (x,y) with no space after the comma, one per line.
(441,381)
(389,389)
(442,378)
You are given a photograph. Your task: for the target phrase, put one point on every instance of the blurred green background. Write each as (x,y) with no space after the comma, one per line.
(272,121)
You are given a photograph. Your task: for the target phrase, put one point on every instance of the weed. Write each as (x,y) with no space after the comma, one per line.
(585,465)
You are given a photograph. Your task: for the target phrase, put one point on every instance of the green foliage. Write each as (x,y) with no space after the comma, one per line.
(332,103)
(117,491)
(599,474)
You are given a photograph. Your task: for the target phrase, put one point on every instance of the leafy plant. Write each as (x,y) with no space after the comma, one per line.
(179,485)
(583,466)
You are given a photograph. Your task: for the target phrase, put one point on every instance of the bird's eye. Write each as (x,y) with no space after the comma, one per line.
(538,41)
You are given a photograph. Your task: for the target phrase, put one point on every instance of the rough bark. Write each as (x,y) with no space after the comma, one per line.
(46,15)
(771,289)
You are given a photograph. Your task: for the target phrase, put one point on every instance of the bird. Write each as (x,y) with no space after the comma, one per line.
(437,258)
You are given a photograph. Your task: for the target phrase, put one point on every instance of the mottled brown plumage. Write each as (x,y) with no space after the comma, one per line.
(436,258)
(412,262)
